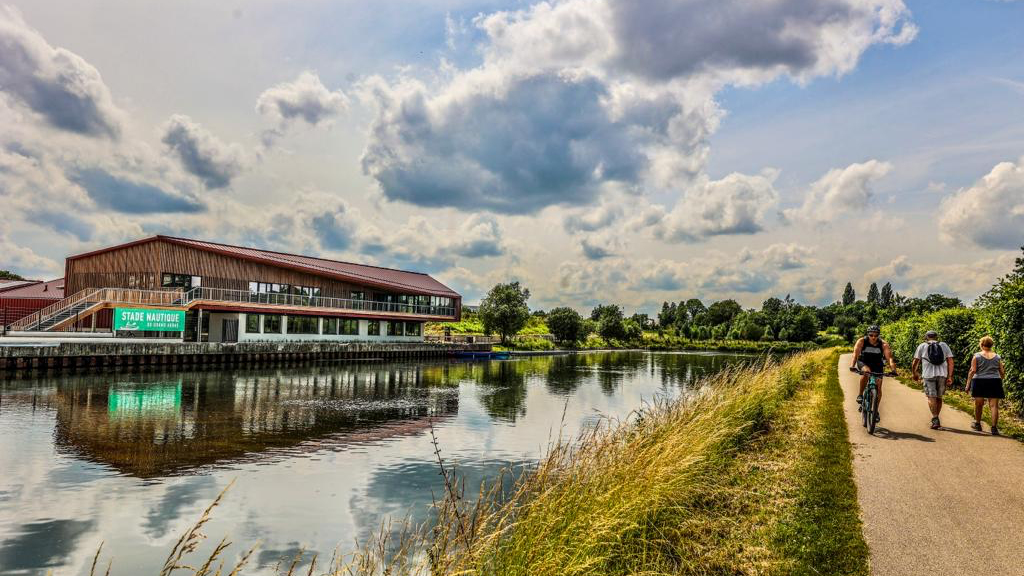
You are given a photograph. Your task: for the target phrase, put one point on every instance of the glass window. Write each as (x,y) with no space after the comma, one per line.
(272,324)
(177,280)
(358,295)
(350,327)
(395,328)
(254,287)
(373,328)
(303,325)
(412,328)
(330,326)
(252,323)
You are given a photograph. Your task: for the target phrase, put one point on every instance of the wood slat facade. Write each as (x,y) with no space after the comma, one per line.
(142,265)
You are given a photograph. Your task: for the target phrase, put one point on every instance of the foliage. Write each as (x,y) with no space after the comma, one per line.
(504,310)
(610,325)
(722,312)
(528,344)
(886,296)
(873,295)
(565,324)
(849,296)
(1003,319)
(8,275)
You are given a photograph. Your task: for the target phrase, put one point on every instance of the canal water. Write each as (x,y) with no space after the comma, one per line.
(321,455)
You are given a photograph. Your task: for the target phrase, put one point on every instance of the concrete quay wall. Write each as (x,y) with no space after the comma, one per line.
(85,355)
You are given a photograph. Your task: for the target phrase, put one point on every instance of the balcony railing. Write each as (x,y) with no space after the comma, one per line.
(245,296)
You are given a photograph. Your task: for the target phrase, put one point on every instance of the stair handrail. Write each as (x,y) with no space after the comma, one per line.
(43,314)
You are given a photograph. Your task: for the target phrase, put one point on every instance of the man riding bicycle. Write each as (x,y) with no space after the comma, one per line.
(871,352)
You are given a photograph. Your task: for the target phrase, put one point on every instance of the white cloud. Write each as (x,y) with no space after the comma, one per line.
(779,256)
(898,268)
(839,192)
(54,83)
(305,98)
(989,214)
(736,204)
(201,153)
(579,97)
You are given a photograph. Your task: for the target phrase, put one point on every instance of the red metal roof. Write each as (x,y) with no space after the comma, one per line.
(35,289)
(6,285)
(415,282)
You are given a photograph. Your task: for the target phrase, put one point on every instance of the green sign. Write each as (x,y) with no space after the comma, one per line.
(145,320)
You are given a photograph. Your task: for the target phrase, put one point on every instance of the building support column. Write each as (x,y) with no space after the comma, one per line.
(199,326)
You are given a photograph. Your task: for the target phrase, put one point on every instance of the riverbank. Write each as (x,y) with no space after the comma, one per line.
(751,475)
(664,344)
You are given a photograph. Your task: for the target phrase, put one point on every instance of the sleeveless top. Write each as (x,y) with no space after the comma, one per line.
(987,367)
(872,356)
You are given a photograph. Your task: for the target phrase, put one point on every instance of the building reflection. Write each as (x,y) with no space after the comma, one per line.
(152,425)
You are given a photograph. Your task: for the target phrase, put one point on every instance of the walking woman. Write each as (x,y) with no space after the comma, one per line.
(985,382)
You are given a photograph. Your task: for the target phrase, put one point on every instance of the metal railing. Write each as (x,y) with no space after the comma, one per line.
(93,296)
(245,296)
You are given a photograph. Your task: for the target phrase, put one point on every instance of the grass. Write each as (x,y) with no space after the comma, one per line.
(750,475)
(1010,424)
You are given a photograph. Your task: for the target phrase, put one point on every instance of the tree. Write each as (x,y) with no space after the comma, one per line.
(669,314)
(1003,318)
(602,309)
(693,307)
(610,323)
(504,310)
(8,275)
(565,324)
(723,312)
(873,293)
(632,331)
(885,298)
(846,326)
(804,326)
(642,320)
(849,296)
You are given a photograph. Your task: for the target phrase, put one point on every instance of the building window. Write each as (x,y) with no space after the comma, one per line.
(272,324)
(252,323)
(303,325)
(412,328)
(178,281)
(373,328)
(358,295)
(330,326)
(396,328)
(350,327)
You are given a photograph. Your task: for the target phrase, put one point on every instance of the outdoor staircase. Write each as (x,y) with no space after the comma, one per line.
(87,302)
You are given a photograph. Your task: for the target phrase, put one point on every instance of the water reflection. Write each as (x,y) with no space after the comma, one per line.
(322,455)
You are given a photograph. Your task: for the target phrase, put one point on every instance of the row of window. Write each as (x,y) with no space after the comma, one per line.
(180,281)
(272,324)
(271,288)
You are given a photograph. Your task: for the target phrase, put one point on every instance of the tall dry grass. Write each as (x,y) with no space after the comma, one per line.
(626,497)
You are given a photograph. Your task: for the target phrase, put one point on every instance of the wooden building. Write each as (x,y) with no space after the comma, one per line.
(234,293)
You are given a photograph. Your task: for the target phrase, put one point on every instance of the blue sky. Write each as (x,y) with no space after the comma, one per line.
(596,150)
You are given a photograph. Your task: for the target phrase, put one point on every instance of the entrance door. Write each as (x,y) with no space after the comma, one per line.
(229,330)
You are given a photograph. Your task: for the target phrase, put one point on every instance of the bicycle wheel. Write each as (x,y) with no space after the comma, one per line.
(871,418)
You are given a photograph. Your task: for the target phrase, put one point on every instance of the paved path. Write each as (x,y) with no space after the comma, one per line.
(937,502)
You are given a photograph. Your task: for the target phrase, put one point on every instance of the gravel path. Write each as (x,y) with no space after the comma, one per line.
(937,502)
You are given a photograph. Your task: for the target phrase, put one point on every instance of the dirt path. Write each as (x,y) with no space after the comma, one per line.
(937,502)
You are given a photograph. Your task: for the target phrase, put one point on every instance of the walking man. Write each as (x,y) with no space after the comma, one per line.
(933,362)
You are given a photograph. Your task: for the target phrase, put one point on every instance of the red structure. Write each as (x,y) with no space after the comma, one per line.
(19,298)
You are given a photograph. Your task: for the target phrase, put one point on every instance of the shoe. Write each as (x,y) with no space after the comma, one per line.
(976,426)
(935,423)
(877,418)
(995,431)
(860,403)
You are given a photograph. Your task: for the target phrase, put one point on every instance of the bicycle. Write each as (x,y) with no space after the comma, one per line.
(868,402)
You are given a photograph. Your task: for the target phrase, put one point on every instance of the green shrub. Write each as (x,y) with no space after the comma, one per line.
(957,327)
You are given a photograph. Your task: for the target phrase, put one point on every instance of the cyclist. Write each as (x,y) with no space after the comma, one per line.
(872,352)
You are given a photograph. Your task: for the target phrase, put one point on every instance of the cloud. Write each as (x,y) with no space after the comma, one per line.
(478,237)
(57,84)
(23,260)
(736,204)
(592,220)
(124,195)
(779,256)
(989,214)
(201,153)
(570,101)
(899,267)
(840,191)
(599,247)
(304,99)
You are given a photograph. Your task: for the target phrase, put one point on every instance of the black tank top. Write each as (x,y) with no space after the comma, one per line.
(872,356)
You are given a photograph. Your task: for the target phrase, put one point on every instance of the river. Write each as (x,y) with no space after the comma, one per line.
(321,455)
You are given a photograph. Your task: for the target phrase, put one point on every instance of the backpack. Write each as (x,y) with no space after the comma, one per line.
(935,355)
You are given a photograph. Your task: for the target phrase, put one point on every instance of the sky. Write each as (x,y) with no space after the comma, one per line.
(595,150)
